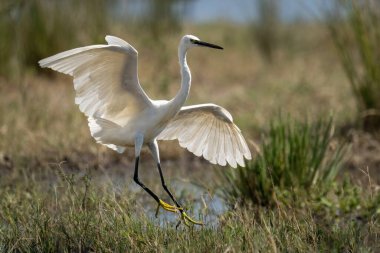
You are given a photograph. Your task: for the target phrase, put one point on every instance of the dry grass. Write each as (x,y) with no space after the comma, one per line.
(69,212)
(40,127)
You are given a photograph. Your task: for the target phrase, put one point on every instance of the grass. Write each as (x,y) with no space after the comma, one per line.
(60,191)
(70,213)
(356,37)
(295,157)
(29,31)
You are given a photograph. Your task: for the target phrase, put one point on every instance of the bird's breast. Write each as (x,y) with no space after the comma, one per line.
(150,123)
(158,120)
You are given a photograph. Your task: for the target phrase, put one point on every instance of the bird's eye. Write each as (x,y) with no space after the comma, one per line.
(192,40)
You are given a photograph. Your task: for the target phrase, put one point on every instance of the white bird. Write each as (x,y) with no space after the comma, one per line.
(120,113)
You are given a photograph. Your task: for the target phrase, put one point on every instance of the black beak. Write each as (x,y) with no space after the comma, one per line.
(206,44)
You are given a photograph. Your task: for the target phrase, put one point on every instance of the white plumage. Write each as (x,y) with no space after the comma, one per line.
(120,114)
(208,130)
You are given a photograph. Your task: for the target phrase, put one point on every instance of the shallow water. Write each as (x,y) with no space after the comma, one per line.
(194,189)
(205,207)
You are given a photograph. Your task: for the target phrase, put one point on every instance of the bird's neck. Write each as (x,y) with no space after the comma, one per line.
(182,94)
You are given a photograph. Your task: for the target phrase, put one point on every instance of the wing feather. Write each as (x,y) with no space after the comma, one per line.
(238,151)
(105,78)
(202,143)
(208,130)
(189,132)
(236,148)
(245,149)
(222,158)
(207,152)
(216,143)
(192,135)
(198,140)
(229,149)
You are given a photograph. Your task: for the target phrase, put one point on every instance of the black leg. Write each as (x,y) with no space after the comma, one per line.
(165,187)
(185,217)
(136,179)
(154,149)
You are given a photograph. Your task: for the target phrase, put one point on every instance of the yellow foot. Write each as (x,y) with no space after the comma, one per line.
(186,219)
(167,207)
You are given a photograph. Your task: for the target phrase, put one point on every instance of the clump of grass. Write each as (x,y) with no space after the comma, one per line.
(296,157)
(354,27)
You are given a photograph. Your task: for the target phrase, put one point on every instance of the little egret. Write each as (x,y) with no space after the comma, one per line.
(120,113)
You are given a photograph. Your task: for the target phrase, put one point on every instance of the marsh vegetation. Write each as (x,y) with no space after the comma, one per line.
(308,106)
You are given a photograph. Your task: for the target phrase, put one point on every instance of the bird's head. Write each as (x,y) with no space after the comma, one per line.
(189,41)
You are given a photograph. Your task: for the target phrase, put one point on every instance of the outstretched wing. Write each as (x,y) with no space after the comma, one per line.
(105,78)
(208,130)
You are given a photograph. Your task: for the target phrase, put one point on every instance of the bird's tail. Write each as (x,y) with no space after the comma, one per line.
(101,128)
